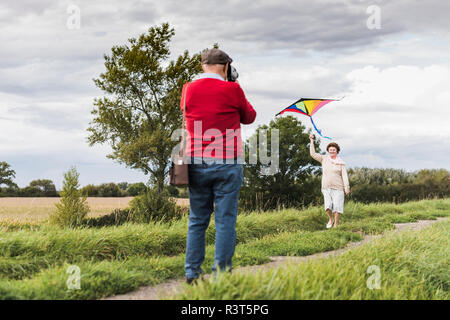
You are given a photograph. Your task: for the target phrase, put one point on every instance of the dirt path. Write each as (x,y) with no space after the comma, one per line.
(176,286)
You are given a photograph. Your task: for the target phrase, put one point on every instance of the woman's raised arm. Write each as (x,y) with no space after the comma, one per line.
(312,150)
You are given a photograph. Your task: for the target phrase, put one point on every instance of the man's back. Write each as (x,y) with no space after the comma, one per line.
(214,111)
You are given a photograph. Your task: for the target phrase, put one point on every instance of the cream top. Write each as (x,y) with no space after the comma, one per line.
(334,176)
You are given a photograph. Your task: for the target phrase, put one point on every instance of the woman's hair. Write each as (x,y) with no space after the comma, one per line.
(333,144)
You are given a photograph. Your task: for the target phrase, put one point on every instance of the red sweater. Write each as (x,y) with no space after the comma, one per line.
(215,110)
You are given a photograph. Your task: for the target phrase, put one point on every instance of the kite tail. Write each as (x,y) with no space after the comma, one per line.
(319,131)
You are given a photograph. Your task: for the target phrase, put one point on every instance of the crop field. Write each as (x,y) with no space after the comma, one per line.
(36,210)
(41,261)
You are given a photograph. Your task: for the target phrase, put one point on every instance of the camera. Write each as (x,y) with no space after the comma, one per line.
(232,73)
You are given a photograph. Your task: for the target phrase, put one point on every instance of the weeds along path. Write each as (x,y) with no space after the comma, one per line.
(174,287)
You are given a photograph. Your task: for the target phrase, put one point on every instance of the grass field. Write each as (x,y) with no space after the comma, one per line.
(34,261)
(409,265)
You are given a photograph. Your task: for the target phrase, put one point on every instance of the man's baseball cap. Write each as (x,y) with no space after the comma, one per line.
(215,56)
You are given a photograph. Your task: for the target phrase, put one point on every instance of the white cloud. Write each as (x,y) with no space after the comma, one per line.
(401,85)
(390,115)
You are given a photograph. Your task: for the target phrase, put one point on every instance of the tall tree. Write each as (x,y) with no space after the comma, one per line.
(140,110)
(295,183)
(7,175)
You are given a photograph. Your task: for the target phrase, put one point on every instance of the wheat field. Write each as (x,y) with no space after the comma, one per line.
(35,210)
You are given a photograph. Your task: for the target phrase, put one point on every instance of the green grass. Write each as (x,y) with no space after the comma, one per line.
(141,239)
(412,265)
(301,243)
(113,260)
(103,278)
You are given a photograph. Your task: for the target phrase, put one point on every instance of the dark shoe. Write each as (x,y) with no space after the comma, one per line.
(194,280)
(191,280)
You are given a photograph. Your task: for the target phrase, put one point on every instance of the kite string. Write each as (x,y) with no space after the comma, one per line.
(319,131)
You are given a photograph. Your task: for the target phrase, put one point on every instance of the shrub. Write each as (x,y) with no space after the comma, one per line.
(154,206)
(72,208)
(115,218)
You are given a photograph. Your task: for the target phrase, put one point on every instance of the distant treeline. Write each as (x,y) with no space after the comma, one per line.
(46,188)
(367,186)
(36,188)
(390,185)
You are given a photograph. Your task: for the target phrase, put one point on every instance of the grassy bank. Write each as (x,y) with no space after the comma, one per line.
(108,277)
(112,260)
(411,265)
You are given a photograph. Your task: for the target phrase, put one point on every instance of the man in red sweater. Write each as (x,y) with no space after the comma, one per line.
(215,109)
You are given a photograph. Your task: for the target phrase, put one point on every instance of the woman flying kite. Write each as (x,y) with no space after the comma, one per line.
(335,183)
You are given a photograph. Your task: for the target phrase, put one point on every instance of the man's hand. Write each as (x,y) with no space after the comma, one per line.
(312,137)
(347,191)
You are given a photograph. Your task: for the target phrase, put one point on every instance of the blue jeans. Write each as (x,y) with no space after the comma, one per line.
(210,184)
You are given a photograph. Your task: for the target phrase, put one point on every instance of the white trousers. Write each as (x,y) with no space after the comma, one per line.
(334,200)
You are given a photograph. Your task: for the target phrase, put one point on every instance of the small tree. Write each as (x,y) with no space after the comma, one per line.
(72,208)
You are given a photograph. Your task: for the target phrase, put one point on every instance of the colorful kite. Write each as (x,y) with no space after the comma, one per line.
(308,107)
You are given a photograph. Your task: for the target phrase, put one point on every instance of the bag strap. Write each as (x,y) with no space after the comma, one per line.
(183,140)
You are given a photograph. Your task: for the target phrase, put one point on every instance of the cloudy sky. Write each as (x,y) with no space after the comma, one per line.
(390,59)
